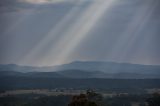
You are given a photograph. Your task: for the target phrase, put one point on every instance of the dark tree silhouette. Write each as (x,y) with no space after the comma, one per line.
(154,100)
(96,97)
(81,100)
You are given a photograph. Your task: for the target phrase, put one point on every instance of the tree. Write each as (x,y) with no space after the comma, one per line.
(81,100)
(96,97)
(154,100)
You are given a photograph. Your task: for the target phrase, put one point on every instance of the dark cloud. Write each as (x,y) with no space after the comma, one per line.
(8,2)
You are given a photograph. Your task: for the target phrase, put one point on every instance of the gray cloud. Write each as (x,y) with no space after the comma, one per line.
(108,40)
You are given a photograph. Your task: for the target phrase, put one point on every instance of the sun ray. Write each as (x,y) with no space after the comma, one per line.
(73,36)
(53,33)
(128,37)
(140,25)
(80,29)
(28,13)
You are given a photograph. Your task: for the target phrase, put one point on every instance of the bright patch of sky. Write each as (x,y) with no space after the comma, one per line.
(41,1)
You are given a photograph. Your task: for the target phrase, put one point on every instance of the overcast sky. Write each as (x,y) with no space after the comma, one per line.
(51,32)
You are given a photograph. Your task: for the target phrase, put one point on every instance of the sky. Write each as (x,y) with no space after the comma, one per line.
(54,32)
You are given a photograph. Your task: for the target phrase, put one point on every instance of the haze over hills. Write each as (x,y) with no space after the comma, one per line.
(88,69)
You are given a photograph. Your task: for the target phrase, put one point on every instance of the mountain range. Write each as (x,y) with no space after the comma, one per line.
(87,69)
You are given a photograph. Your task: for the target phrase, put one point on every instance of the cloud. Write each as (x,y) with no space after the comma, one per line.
(22,5)
(41,1)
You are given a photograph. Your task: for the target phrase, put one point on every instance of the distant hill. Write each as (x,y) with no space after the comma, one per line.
(84,70)
(110,67)
(17,68)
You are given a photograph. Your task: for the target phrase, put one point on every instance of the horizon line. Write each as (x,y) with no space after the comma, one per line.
(119,62)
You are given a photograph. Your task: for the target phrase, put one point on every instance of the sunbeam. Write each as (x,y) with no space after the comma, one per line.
(135,35)
(72,36)
(25,16)
(78,31)
(130,34)
(83,27)
(54,33)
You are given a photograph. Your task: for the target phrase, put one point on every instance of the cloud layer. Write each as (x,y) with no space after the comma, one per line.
(127,32)
(41,1)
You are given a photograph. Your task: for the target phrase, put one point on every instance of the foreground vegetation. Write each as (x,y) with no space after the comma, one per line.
(30,91)
(90,98)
